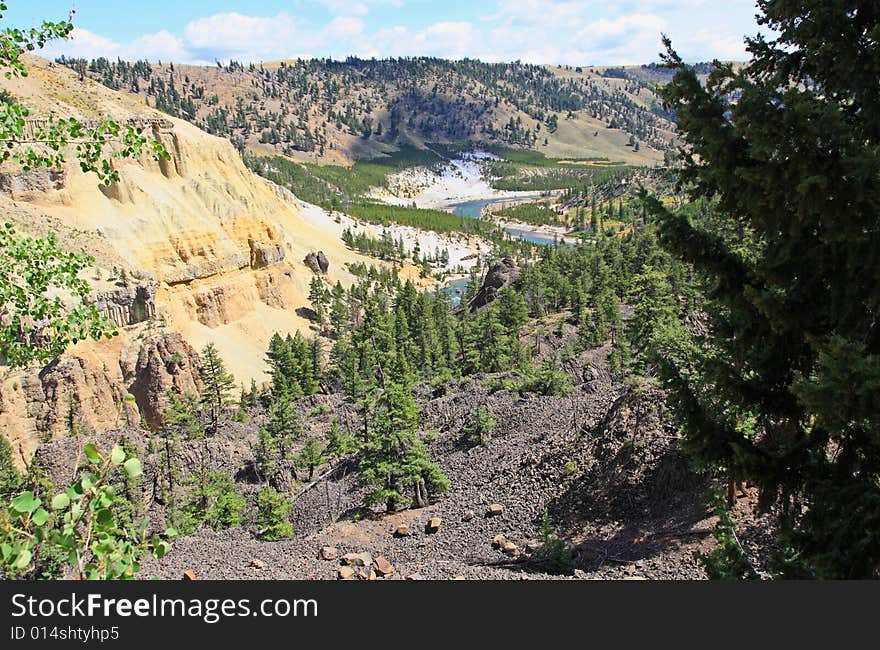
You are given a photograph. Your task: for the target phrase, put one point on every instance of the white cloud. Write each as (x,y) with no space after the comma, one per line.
(576,32)
(233,35)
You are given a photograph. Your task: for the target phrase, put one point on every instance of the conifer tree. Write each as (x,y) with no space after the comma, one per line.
(782,390)
(395,462)
(218,386)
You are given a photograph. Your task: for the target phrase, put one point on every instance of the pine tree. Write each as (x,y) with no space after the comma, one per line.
(782,390)
(311,455)
(320,299)
(277,439)
(218,386)
(395,462)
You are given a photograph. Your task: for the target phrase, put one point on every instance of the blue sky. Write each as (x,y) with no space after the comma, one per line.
(575,32)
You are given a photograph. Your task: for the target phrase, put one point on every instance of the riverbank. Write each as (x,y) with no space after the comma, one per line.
(439,188)
(463,249)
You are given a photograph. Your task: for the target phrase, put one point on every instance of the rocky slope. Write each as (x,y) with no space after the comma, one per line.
(197,244)
(601,462)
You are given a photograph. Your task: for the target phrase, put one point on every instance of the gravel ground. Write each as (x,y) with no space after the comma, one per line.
(602,462)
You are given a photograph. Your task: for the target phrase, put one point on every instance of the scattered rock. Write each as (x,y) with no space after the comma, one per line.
(189,574)
(470,515)
(328,553)
(631,570)
(498,541)
(510,548)
(414,576)
(383,567)
(345,573)
(495,510)
(433,525)
(402,531)
(258,564)
(357,559)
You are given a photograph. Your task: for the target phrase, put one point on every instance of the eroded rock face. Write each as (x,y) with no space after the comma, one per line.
(127,305)
(70,396)
(265,254)
(161,362)
(29,185)
(501,275)
(76,396)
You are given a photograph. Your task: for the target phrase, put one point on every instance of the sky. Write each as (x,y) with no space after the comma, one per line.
(572,32)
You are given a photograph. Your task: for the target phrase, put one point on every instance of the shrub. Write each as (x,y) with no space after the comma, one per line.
(273,508)
(480,426)
(554,552)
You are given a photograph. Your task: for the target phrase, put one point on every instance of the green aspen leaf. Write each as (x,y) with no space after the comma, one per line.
(25,502)
(91,452)
(24,559)
(60,502)
(117,455)
(40,517)
(133,468)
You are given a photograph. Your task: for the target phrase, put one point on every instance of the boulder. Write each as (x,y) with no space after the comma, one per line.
(383,567)
(495,510)
(189,574)
(311,260)
(328,553)
(345,573)
(402,531)
(498,541)
(414,576)
(433,525)
(258,564)
(323,262)
(357,559)
(317,262)
(510,548)
(470,515)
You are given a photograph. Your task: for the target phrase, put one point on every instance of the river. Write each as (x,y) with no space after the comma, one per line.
(474,210)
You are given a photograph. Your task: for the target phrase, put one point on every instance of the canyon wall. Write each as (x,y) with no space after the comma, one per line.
(196,246)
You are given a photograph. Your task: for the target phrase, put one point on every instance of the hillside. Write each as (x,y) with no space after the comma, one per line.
(197,245)
(340,111)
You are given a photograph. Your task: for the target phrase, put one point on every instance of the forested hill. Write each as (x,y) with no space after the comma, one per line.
(338,111)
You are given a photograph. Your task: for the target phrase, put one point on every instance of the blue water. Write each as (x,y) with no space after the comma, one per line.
(455,290)
(474,210)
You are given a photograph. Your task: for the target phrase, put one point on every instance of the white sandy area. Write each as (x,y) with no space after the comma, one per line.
(463,249)
(458,181)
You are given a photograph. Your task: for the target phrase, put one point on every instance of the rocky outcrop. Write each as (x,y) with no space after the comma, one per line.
(265,254)
(70,396)
(501,275)
(30,184)
(127,305)
(161,363)
(317,262)
(76,395)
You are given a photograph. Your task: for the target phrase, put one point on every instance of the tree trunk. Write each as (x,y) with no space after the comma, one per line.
(421,494)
